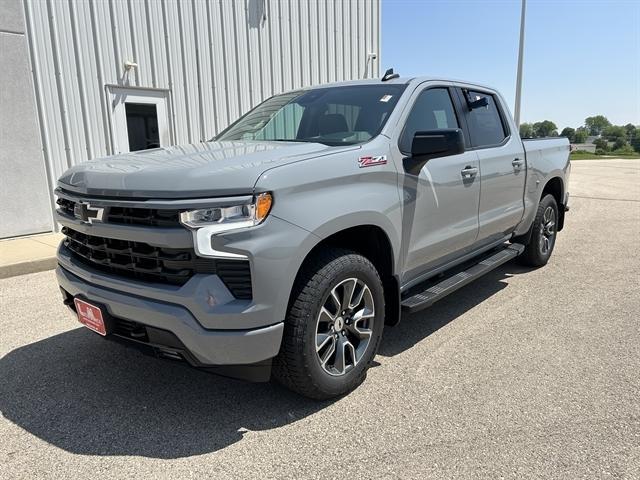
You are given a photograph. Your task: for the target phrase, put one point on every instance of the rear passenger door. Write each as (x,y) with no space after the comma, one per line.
(440,217)
(502,164)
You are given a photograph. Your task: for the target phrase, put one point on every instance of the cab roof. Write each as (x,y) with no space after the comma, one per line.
(398,81)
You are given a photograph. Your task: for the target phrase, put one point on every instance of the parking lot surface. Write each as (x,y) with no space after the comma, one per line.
(522,374)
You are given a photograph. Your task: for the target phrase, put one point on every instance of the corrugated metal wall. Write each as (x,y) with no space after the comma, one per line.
(217,58)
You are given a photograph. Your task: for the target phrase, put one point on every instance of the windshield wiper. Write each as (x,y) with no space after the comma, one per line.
(328,143)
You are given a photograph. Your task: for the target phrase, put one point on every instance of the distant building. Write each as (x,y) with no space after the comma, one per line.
(586,147)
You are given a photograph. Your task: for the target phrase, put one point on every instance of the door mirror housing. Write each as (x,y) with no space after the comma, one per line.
(481,102)
(433,144)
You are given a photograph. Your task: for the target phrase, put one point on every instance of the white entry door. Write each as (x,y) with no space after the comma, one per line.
(139,118)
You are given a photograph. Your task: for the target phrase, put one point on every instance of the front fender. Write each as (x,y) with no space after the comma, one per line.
(330,194)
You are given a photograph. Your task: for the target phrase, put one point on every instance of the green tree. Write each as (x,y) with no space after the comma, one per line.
(570,133)
(615,133)
(526,130)
(580,135)
(601,144)
(631,130)
(596,124)
(620,143)
(635,139)
(625,149)
(546,128)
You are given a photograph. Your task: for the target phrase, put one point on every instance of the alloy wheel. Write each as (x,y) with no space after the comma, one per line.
(344,326)
(547,230)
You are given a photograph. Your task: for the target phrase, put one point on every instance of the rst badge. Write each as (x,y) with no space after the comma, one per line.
(370,161)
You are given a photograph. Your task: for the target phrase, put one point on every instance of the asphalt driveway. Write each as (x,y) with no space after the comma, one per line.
(522,374)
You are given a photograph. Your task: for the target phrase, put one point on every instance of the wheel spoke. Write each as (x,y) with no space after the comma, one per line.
(363,315)
(348,346)
(349,286)
(322,340)
(336,299)
(326,315)
(340,362)
(359,321)
(360,333)
(354,303)
(326,355)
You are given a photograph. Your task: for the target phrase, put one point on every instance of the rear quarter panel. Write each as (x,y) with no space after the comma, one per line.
(547,158)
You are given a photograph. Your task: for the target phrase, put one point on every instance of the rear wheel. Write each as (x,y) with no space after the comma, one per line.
(543,236)
(333,327)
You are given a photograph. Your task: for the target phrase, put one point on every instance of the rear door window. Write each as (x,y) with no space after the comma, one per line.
(432,110)
(486,128)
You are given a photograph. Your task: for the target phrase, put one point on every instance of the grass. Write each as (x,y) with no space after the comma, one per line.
(593,156)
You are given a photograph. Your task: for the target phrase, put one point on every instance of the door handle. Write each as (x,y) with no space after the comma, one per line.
(517,163)
(469,171)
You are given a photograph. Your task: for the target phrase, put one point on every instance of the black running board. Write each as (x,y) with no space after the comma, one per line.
(450,284)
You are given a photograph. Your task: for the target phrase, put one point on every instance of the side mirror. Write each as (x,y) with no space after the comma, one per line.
(433,144)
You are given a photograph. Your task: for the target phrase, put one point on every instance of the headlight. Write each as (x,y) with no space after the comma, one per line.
(229,218)
(207,222)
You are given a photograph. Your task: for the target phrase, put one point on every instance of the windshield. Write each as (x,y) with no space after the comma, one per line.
(334,115)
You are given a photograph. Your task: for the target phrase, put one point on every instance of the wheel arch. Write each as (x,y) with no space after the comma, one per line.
(555,186)
(374,243)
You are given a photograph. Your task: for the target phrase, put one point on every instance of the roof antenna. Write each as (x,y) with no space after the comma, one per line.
(389,75)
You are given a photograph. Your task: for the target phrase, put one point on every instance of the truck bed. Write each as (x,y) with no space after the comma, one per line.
(548,145)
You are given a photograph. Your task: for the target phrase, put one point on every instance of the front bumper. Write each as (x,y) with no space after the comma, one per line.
(206,347)
(212,325)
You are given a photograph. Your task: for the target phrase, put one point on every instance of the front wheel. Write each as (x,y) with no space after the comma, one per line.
(333,326)
(543,236)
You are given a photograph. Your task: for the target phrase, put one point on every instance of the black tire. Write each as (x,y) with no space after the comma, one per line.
(298,366)
(535,254)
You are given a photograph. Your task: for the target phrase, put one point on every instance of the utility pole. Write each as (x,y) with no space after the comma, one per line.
(516,113)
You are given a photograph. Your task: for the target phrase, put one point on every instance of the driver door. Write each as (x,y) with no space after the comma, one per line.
(440,217)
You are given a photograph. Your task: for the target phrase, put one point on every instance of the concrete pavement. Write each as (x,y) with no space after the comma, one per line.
(19,256)
(522,374)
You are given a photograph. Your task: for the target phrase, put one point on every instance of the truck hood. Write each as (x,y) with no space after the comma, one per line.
(188,171)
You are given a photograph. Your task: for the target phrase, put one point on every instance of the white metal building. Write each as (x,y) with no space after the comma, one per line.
(87,78)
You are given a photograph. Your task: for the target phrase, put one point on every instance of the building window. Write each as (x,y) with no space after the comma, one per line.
(139,118)
(142,126)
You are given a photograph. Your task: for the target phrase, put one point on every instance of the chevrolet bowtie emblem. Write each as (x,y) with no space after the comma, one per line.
(86,213)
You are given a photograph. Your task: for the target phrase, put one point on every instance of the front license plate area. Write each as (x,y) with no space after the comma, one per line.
(91,316)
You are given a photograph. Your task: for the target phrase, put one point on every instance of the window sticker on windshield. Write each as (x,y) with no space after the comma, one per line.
(386,98)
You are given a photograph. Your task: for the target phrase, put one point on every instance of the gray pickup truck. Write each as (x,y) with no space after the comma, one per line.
(282,247)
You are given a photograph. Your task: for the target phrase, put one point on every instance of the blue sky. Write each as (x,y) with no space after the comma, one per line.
(582,58)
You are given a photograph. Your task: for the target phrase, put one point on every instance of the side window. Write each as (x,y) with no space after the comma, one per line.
(485,125)
(433,110)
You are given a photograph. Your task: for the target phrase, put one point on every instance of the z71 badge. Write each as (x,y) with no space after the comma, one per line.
(372,161)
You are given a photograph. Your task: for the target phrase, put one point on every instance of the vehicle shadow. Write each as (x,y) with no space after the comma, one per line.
(419,325)
(92,397)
